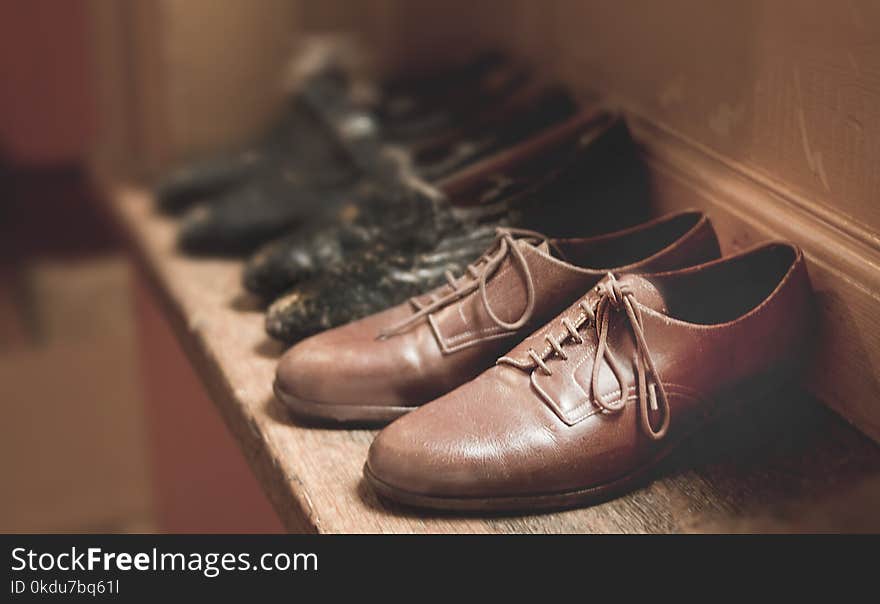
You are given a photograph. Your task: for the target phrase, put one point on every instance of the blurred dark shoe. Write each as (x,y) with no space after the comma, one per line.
(401,216)
(511,124)
(249,215)
(412,97)
(271,204)
(299,139)
(575,170)
(415,108)
(323,116)
(599,186)
(390,214)
(375,279)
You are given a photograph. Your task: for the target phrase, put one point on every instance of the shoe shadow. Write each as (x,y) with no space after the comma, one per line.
(386,507)
(768,451)
(244,301)
(373,502)
(270,349)
(277,411)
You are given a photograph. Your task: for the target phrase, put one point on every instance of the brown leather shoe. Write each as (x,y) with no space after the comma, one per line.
(547,426)
(377,368)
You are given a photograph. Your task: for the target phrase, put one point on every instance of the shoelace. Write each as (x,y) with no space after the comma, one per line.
(614,296)
(477,274)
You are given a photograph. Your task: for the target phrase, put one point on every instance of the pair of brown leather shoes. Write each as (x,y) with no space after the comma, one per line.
(612,350)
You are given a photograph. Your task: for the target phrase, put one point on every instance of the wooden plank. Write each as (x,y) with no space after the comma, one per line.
(767,456)
(746,209)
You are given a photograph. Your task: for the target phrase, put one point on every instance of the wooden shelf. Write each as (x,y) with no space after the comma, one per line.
(777,465)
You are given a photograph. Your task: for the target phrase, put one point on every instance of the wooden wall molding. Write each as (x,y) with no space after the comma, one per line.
(844,257)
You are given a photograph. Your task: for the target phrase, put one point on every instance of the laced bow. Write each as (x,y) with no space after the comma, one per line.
(476,276)
(614,296)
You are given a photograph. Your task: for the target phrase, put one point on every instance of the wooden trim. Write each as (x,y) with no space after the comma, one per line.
(127,50)
(844,258)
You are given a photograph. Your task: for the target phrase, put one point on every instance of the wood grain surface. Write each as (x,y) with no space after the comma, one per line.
(785,458)
(843,267)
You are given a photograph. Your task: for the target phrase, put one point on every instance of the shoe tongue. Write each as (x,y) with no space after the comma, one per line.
(645,292)
(541,246)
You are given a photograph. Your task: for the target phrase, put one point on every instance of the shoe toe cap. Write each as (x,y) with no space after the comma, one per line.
(302,371)
(349,365)
(296,315)
(486,439)
(417,456)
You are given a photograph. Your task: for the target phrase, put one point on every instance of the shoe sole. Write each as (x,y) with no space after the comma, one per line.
(340,414)
(520,503)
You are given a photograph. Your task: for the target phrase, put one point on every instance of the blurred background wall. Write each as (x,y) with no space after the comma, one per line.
(788,89)
(104,425)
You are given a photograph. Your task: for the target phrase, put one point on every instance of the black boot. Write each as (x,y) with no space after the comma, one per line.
(587,164)
(375,279)
(596,184)
(298,138)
